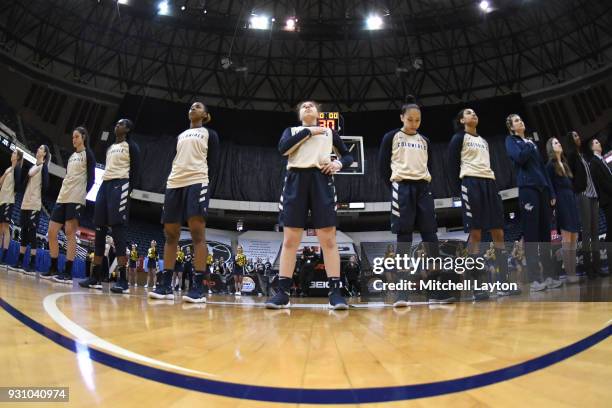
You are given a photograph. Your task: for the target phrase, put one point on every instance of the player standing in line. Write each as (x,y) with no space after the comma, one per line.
(536,199)
(80,174)
(113,203)
(405,158)
(566,209)
(186,200)
(309,187)
(470,164)
(9,181)
(36,185)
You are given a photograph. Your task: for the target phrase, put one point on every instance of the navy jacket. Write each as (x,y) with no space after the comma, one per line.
(559,182)
(602,178)
(529,166)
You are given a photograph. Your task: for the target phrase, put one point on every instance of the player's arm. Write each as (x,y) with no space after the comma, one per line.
(289,143)
(384,157)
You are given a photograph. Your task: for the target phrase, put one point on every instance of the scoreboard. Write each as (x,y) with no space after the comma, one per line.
(330,120)
(335,121)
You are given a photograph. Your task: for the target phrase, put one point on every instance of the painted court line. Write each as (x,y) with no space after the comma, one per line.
(91,340)
(310,395)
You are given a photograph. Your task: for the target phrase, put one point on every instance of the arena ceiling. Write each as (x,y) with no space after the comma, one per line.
(443,51)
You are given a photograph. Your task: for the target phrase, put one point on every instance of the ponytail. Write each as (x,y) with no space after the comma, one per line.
(409,103)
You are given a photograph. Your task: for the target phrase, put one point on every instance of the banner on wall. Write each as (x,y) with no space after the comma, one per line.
(264,249)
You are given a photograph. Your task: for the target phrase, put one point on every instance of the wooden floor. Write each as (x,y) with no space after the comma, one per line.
(300,348)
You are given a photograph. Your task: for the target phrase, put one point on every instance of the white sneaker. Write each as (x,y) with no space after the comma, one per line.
(146,285)
(573,279)
(238,294)
(209,292)
(552,283)
(536,286)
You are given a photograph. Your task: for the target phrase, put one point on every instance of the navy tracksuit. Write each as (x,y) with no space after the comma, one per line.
(535,194)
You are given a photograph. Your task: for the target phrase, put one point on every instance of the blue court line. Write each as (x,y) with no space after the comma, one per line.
(311,395)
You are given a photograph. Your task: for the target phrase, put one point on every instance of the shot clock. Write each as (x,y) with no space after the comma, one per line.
(330,120)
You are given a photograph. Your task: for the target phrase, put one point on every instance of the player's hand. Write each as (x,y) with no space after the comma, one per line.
(553,202)
(317,130)
(331,167)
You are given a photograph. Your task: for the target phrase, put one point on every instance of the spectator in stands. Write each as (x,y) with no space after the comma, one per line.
(517,260)
(250,267)
(602,176)
(566,208)
(352,271)
(36,184)
(109,256)
(112,208)
(536,198)
(307,268)
(89,262)
(132,280)
(588,204)
(298,273)
(186,200)
(405,160)
(188,268)
(260,270)
(482,206)
(390,252)
(309,185)
(178,269)
(268,265)
(152,258)
(268,276)
(80,174)
(461,251)
(10,181)
(225,275)
(490,261)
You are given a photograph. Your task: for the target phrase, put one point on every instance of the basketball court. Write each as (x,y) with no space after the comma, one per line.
(231,353)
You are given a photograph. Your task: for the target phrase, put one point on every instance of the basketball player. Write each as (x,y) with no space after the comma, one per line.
(240,261)
(470,164)
(404,159)
(113,203)
(9,181)
(186,200)
(566,207)
(309,186)
(79,178)
(36,184)
(536,199)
